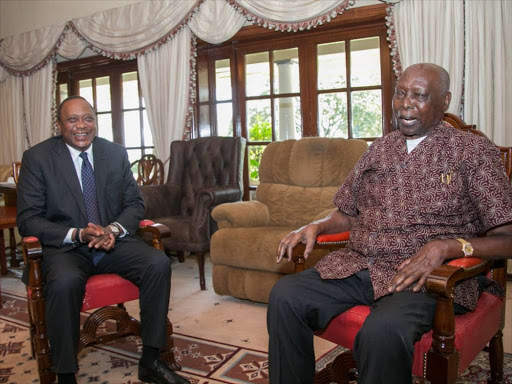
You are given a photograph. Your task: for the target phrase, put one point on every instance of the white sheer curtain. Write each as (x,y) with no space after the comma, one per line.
(216,22)
(433,32)
(72,46)
(164,78)
(488,75)
(37,102)
(283,11)
(135,26)
(25,51)
(13,141)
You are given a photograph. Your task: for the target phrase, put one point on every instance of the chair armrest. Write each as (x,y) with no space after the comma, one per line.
(243,214)
(329,241)
(220,195)
(442,280)
(157,231)
(33,257)
(441,284)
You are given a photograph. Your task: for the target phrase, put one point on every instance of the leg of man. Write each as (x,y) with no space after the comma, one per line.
(384,346)
(150,270)
(299,305)
(65,276)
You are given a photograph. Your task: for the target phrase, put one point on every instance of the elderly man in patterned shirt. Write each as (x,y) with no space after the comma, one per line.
(404,222)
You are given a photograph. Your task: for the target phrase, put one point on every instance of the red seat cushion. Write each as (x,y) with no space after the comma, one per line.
(104,290)
(108,289)
(473,331)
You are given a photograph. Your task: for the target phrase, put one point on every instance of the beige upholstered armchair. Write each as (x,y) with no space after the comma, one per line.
(298,179)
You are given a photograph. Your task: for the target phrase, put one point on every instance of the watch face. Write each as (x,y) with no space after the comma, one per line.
(114,229)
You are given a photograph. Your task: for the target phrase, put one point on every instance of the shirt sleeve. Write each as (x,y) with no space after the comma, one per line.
(488,185)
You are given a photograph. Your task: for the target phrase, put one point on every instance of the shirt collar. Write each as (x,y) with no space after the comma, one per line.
(75,153)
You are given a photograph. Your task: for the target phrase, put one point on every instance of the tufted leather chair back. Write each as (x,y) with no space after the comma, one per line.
(202,163)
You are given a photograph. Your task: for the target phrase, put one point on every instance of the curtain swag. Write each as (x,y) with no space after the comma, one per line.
(279,16)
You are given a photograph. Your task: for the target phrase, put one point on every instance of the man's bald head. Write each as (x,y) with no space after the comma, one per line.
(443,77)
(422,96)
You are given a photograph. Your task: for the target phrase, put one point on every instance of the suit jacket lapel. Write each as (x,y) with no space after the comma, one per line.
(64,163)
(100,176)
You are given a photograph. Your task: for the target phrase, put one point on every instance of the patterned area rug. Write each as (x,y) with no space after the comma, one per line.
(203,361)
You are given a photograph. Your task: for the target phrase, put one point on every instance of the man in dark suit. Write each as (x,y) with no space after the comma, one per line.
(77,194)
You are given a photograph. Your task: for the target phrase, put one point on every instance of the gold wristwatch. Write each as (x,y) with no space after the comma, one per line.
(467,248)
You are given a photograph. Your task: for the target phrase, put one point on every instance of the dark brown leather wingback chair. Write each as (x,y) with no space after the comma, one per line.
(203,173)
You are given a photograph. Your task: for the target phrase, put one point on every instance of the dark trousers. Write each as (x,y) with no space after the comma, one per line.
(383,349)
(66,275)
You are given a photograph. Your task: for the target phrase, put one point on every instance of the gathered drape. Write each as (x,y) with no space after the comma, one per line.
(164,77)
(433,32)
(488,75)
(37,104)
(216,22)
(13,141)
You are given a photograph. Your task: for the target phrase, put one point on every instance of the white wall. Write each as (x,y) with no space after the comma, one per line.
(17,16)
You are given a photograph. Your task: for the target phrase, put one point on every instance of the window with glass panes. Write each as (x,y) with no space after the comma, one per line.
(332,81)
(113,89)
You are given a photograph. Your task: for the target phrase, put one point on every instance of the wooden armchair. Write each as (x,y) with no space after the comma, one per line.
(447,350)
(107,302)
(150,170)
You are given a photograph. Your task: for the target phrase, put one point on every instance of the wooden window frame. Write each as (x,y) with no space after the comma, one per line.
(353,24)
(71,72)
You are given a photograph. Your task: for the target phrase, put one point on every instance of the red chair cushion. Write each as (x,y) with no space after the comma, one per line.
(108,289)
(333,237)
(465,262)
(473,331)
(145,223)
(104,290)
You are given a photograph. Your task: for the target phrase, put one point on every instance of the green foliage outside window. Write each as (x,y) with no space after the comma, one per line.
(260,129)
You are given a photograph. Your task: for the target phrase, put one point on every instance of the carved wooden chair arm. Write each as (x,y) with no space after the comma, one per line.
(329,241)
(441,283)
(157,230)
(442,280)
(33,256)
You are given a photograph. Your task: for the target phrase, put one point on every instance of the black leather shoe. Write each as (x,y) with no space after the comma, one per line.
(159,372)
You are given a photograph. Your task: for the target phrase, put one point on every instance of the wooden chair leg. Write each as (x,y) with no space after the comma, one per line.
(496,358)
(200,262)
(40,338)
(3,257)
(15,262)
(167,353)
(181,256)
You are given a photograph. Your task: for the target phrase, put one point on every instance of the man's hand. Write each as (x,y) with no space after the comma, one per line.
(419,266)
(98,237)
(306,235)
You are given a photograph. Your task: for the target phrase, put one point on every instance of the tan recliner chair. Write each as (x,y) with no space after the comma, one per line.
(298,180)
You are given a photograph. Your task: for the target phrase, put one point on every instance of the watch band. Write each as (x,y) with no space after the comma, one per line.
(467,248)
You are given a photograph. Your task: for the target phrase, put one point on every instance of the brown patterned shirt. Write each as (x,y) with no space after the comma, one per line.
(401,203)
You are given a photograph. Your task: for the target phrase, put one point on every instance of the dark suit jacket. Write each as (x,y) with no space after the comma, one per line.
(50,199)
